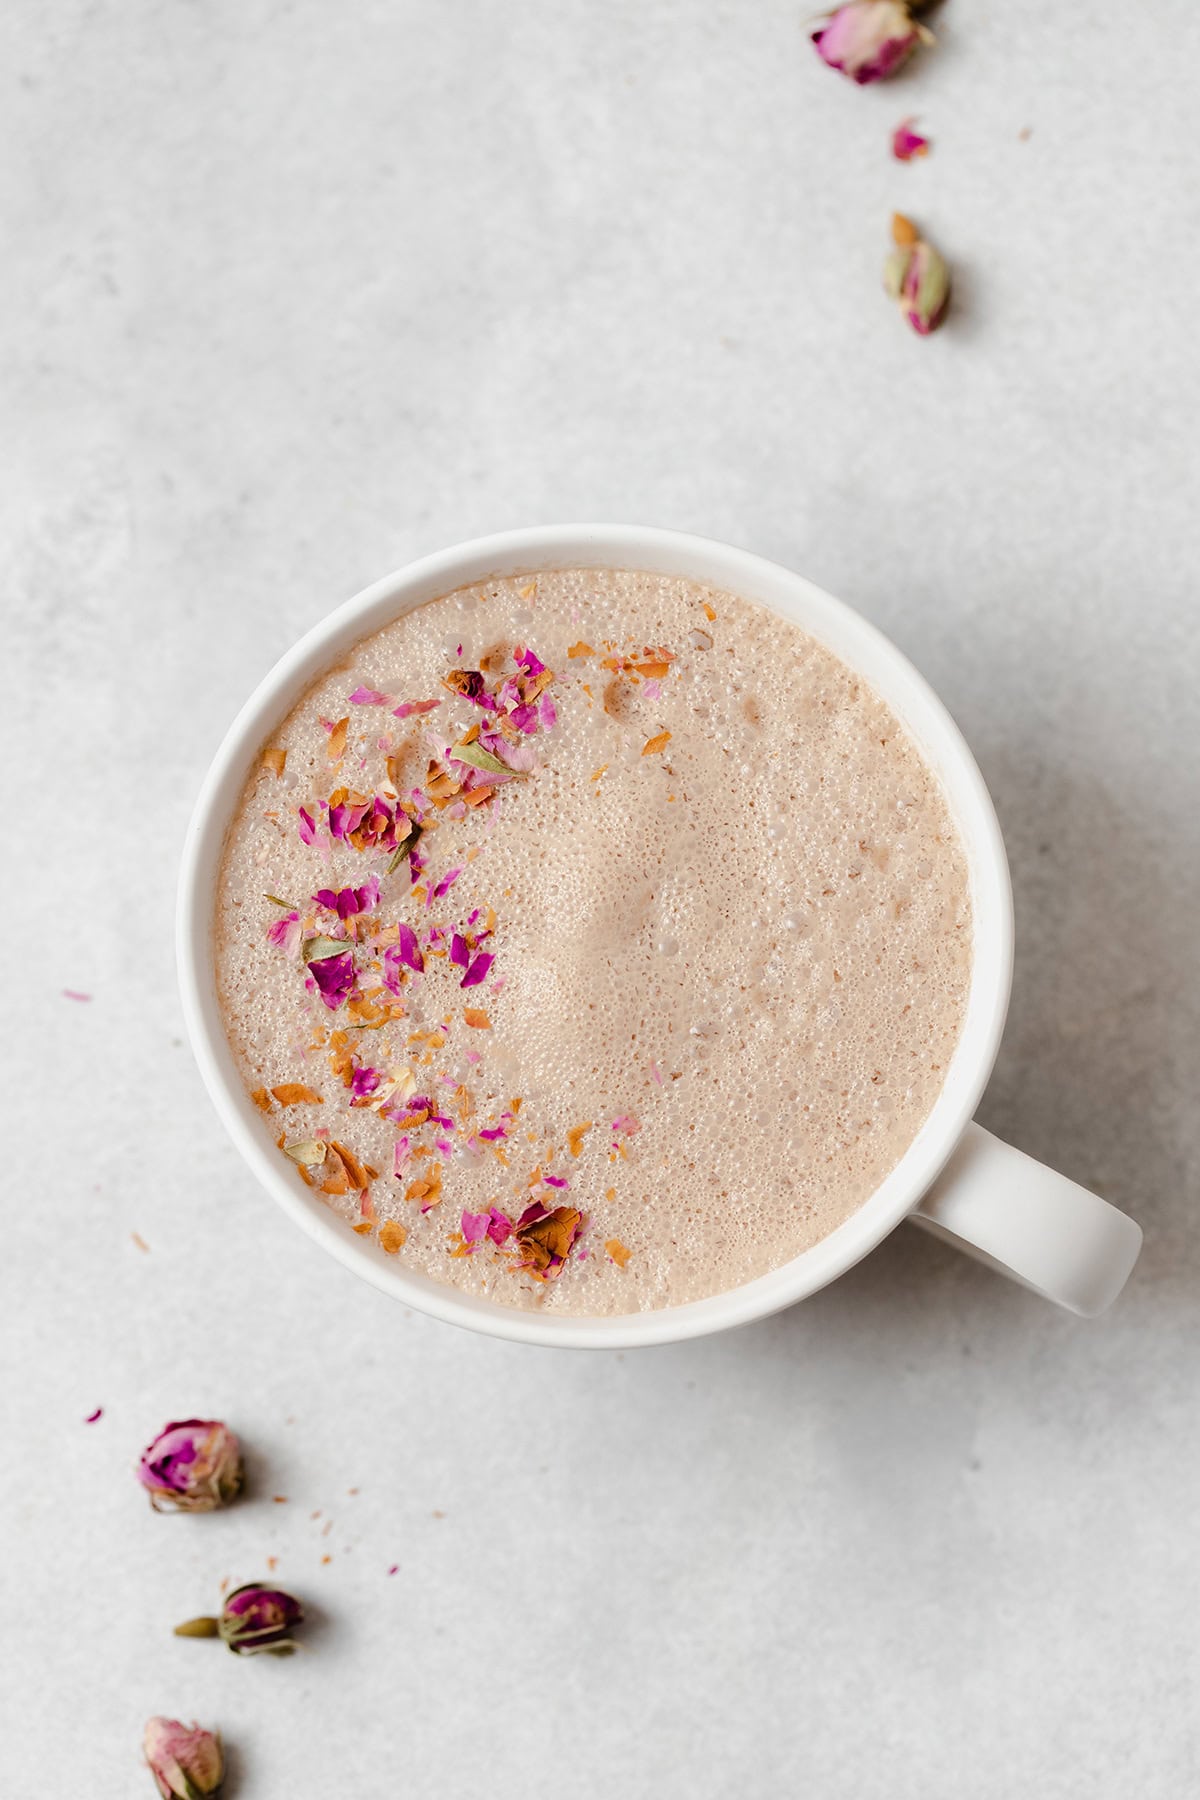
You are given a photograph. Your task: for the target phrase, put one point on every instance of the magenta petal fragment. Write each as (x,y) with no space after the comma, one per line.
(285,933)
(474,1227)
(408,707)
(907,143)
(334,976)
(307,827)
(410,950)
(446,883)
(478,970)
(499,1225)
(459,953)
(363,1081)
(365,696)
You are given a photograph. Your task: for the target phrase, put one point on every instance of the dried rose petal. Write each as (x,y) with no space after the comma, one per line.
(868,40)
(193,1465)
(908,144)
(334,976)
(499,1225)
(348,901)
(478,970)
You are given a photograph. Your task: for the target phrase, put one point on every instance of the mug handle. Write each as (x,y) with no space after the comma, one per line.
(1017,1216)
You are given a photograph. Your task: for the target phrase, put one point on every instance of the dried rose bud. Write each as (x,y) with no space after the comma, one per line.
(185,1760)
(917,277)
(194,1465)
(870,39)
(257,1618)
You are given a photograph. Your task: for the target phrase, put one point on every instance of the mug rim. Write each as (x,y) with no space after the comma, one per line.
(836,625)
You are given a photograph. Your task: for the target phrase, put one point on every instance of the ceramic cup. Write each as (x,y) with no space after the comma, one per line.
(955,1179)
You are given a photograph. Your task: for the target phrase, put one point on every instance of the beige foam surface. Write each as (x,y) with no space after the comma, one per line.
(753,945)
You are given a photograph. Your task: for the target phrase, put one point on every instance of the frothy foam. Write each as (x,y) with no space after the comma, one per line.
(753,943)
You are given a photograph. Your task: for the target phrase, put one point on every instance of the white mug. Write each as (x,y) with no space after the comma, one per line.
(955,1179)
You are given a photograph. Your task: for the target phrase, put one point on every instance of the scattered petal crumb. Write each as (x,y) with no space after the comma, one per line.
(140,1241)
(395,1569)
(1025,133)
(272,1562)
(352,1490)
(710,612)
(908,144)
(618,1252)
(275,759)
(437,1514)
(74,994)
(93,1416)
(326,1559)
(279,1499)
(261,1099)
(653,745)
(581,649)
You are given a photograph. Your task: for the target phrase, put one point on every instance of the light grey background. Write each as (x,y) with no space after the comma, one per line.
(293,292)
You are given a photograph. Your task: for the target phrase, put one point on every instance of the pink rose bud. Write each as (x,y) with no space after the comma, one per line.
(916,277)
(869,39)
(194,1465)
(185,1760)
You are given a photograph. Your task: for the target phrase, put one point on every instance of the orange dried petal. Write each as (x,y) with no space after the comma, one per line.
(653,745)
(359,1176)
(476,1017)
(580,649)
(616,1249)
(575,1136)
(261,1099)
(904,232)
(337,739)
(710,612)
(391,1236)
(294,1093)
(275,759)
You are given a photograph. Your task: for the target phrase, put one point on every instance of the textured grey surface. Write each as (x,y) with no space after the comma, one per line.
(294,292)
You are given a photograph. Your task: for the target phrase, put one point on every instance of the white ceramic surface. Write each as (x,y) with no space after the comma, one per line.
(1066,1244)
